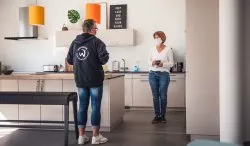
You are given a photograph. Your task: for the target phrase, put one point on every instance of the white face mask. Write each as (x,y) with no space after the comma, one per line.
(158,41)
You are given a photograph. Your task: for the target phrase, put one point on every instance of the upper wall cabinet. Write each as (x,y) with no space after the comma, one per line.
(111,37)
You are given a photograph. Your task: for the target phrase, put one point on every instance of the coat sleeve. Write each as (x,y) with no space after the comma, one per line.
(70,56)
(102,52)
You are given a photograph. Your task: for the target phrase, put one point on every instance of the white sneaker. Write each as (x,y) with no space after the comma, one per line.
(99,139)
(83,139)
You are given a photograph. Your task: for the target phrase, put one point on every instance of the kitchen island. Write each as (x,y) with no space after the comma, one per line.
(112,109)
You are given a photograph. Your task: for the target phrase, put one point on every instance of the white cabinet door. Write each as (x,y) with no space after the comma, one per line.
(29,112)
(176,93)
(111,37)
(9,85)
(70,86)
(51,112)
(142,95)
(8,111)
(128,92)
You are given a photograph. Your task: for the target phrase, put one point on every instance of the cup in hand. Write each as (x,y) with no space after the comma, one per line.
(157,62)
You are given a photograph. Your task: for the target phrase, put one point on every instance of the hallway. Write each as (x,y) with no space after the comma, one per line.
(136,129)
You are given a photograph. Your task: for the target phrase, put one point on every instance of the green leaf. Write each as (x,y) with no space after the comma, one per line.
(73,16)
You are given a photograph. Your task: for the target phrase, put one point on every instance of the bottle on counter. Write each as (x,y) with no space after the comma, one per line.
(136,68)
(61,68)
(105,68)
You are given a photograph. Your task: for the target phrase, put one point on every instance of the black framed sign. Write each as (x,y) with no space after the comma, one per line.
(118,17)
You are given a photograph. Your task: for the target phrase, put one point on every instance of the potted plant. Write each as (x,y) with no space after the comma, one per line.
(74,16)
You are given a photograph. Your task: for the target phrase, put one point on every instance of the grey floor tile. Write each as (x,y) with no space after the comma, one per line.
(136,129)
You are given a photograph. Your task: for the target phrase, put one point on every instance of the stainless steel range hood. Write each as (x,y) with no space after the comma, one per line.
(26,31)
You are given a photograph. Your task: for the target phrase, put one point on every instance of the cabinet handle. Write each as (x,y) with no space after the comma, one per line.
(172,75)
(37,85)
(42,85)
(143,75)
(172,80)
(144,80)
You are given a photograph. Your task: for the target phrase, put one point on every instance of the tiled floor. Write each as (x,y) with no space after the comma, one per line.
(136,129)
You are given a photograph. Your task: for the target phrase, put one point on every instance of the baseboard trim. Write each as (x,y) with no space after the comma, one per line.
(205,137)
(132,108)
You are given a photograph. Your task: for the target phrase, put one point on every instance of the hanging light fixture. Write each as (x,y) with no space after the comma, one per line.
(36,15)
(93,11)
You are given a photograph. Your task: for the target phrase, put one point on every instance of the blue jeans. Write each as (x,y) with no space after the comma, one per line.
(159,82)
(96,97)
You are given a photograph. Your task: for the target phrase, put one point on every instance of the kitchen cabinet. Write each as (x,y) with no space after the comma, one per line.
(111,37)
(128,88)
(117,37)
(112,108)
(176,91)
(111,101)
(128,81)
(29,112)
(40,112)
(9,111)
(51,86)
(69,86)
(142,96)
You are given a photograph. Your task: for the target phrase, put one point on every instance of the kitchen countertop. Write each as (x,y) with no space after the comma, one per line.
(66,75)
(141,72)
(52,76)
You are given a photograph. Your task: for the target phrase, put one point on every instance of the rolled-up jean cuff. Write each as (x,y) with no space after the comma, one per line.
(96,127)
(81,126)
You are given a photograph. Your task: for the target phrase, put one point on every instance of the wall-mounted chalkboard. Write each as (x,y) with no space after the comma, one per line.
(118,17)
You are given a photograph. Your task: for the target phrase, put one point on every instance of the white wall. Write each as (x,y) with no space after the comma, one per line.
(202,77)
(246,70)
(145,17)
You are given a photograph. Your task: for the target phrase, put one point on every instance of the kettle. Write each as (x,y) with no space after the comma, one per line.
(115,66)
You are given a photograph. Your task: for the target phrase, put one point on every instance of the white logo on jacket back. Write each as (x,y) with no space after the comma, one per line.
(82,53)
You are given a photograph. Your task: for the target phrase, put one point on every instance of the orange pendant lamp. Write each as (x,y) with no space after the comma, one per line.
(93,11)
(36,15)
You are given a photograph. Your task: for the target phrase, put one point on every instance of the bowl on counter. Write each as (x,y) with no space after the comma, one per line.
(7,72)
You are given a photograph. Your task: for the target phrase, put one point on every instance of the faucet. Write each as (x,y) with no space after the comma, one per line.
(124,65)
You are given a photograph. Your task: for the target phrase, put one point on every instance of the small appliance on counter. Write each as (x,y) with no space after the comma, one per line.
(178,67)
(50,68)
(115,66)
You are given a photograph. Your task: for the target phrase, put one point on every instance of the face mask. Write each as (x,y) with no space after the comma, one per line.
(158,41)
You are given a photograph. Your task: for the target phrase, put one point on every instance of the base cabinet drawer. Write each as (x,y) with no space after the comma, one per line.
(176,93)
(142,95)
